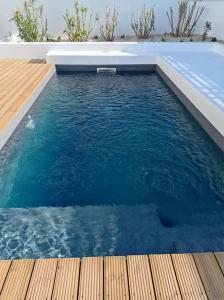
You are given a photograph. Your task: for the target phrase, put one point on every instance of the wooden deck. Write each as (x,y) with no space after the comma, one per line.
(18,80)
(178,276)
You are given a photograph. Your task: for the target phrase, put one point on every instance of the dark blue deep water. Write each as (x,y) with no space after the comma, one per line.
(110,165)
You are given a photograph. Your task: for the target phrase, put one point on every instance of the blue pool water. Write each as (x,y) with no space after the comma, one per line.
(110,165)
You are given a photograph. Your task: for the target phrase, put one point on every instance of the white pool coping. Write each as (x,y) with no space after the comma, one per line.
(196,69)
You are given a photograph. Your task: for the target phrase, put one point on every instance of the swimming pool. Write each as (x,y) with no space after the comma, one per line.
(110,165)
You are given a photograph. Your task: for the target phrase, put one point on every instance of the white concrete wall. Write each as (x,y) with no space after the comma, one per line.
(55,9)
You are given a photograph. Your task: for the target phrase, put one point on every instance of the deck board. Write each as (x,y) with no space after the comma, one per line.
(188,277)
(115,278)
(42,279)
(164,278)
(211,275)
(176,276)
(18,80)
(4,268)
(91,279)
(67,279)
(140,278)
(17,281)
(220,258)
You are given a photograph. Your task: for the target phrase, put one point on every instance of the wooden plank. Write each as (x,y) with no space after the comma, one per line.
(67,279)
(14,75)
(40,76)
(211,275)
(4,268)
(115,278)
(188,278)
(91,279)
(17,280)
(4,65)
(13,93)
(164,278)
(17,84)
(11,69)
(42,280)
(6,119)
(16,79)
(220,258)
(29,89)
(140,278)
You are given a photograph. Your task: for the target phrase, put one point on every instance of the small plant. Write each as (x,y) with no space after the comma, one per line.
(107,30)
(207,28)
(188,17)
(78,25)
(145,23)
(30,23)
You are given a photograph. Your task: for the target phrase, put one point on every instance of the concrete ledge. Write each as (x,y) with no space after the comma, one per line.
(88,58)
(40,50)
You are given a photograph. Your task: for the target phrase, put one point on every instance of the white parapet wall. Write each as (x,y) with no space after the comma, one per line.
(55,9)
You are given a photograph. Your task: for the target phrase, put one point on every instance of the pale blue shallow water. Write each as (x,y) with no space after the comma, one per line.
(110,165)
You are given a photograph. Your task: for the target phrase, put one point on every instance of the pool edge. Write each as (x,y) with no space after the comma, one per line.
(207,124)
